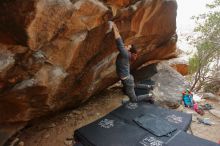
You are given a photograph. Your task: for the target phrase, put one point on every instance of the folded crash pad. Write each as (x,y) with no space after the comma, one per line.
(184,139)
(155,125)
(128,112)
(118,128)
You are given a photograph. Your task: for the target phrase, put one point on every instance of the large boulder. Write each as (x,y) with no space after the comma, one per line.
(55,54)
(169,84)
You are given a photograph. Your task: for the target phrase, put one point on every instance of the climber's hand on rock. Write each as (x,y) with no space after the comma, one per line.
(111,23)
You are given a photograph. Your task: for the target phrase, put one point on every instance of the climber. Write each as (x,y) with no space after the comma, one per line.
(127,54)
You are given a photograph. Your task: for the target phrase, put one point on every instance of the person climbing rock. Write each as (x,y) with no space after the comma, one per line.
(126,54)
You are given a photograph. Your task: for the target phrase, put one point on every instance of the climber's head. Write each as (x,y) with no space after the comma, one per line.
(133,50)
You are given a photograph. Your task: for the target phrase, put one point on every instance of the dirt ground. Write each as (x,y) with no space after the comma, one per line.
(212,132)
(58,130)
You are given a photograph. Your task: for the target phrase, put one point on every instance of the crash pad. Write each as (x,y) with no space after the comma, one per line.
(111,131)
(118,128)
(129,111)
(155,125)
(184,139)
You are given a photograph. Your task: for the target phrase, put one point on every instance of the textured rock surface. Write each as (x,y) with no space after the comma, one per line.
(169,84)
(180,64)
(9,130)
(55,53)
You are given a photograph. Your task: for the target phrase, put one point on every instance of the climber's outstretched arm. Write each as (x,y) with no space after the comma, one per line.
(116,31)
(119,41)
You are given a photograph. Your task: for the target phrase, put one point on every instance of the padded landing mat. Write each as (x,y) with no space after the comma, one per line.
(184,139)
(119,129)
(130,111)
(155,125)
(111,131)
(108,131)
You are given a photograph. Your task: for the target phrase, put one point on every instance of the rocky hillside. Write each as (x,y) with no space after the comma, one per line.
(55,54)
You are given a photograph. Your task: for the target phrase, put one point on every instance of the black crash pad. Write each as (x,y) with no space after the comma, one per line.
(108,131)
(184,139)
(155,125)
(111,131)
(119,129)
(128,112)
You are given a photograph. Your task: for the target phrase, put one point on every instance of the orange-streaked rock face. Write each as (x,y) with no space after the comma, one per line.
(119,3)
(180,65)
(181,68)
(55,54)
